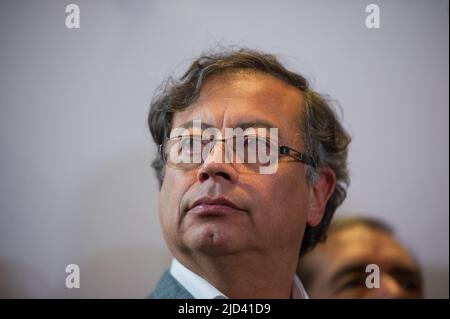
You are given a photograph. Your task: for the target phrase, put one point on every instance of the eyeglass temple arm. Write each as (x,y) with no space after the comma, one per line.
(285,150)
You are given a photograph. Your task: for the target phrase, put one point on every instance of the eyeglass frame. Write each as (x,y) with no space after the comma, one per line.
(282,150)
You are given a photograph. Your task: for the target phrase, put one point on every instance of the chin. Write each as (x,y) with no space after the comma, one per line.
(214,241)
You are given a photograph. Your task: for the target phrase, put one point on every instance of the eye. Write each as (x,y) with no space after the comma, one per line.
(408,282)
(351,282)
(182,144)
(189,144)
(250,141)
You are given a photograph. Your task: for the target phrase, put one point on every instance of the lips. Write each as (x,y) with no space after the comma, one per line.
(213,207)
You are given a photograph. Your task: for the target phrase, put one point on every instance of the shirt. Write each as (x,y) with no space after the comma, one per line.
(202,289)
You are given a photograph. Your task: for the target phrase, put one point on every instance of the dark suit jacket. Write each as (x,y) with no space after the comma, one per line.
(169,288)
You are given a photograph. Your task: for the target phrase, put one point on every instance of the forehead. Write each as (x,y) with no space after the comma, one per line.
(362,243)
(228,99)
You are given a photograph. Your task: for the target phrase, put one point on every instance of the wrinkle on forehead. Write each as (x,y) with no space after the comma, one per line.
(227,99)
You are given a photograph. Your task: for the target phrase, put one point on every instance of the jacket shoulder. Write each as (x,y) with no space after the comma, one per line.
(169,288)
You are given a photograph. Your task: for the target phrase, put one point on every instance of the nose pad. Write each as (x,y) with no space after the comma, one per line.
(215,154)
(214,166)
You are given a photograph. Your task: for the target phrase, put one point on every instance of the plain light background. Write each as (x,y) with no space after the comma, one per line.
(76,184)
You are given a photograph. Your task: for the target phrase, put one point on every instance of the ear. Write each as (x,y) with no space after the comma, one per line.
(319,194)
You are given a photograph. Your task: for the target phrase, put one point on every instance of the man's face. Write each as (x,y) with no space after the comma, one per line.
(339,266)
(270,211)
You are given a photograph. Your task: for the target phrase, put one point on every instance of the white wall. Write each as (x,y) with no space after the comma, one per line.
(75,179)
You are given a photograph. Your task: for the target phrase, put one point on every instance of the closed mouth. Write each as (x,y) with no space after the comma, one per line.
(213,206)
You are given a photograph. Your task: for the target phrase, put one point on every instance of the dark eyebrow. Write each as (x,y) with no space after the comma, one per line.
(360,268)
(405,271)
(188,125)
(256,124)
(243,125)
(400,269)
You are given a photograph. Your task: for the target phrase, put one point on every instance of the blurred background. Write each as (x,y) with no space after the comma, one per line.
(76,184)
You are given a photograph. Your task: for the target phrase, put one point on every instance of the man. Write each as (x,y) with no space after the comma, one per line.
(338,267)
(235,230)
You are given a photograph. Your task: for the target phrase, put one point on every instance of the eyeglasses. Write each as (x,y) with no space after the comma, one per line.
(248,153)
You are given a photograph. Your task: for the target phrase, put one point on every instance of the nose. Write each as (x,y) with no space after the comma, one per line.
(390,288)
(215,167)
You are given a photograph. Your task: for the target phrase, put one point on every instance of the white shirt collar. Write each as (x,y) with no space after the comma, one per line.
(298,291)
(199,288)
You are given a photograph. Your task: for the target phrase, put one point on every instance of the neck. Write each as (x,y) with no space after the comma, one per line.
(246,275)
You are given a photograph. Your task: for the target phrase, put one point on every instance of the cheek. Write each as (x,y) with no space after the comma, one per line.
(172,190)
(292,190)
(284,200)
